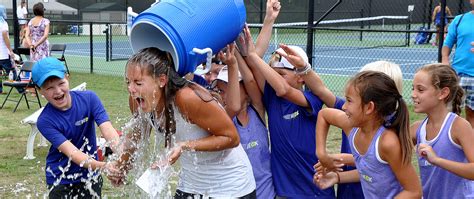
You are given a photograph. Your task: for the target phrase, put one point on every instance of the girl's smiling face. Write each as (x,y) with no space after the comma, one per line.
(353,106)
(424,94)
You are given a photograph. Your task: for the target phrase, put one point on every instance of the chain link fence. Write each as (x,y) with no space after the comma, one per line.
(354,34)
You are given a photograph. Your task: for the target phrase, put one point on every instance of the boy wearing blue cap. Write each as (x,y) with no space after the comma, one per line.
(67,121)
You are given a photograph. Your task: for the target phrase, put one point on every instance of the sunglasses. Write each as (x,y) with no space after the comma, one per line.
(277,56)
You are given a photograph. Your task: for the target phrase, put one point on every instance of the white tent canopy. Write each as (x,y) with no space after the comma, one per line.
(51,6)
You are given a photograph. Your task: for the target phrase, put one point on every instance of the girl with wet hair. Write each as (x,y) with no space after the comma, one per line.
(196,128)
(445,153)
(376,117)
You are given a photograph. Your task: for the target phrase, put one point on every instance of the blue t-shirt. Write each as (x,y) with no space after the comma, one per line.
(347,190)
(76,125)
(292,135)
(462,36)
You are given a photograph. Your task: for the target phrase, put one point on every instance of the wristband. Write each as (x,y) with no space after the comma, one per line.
(338,178)
(304,70)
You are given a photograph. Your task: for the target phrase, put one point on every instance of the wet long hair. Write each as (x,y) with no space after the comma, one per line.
(392,110)
(156,62)
(443,76)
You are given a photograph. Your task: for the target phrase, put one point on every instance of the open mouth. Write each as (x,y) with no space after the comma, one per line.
(140,101)
(60,98)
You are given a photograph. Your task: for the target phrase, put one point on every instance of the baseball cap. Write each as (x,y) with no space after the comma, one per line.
(224,76)
(47,67)
(284,63)
(3,13)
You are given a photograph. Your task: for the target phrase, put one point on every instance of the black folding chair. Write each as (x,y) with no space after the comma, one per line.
(24,53)
(21,86)
(59,48)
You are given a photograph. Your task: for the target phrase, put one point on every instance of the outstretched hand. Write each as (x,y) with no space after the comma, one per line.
(325,180)
(228,57)
(115,175)
(249,41)
(292,57)
(273,9)
(328,163)
(171,156)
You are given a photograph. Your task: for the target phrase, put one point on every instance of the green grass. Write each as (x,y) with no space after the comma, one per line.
(28,175)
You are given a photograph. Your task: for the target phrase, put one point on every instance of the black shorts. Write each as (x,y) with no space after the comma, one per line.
(78,190)
(183,195)
(6,64)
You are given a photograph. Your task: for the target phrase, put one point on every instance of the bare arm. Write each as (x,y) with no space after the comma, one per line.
(391,152)
(233,105)
(79,157)
(413,129)
(27,35)
(326,180)
(463,134)
(260,80)
(327,117)
(263,39)
(251,86)
(7,42)
(277,82)
(311,78)
(433,16)
(445,51)
(110,134)
(209,116)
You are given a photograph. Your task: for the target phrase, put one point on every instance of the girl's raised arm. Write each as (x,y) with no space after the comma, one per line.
(251,85)
(327,117)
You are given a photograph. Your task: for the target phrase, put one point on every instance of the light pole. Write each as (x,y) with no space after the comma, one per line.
(16,28)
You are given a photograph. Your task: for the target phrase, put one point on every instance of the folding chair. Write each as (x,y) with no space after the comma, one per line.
(21,86)
(24,53)
(60,48)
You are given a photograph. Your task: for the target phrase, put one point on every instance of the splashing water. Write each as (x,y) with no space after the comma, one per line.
(149,150)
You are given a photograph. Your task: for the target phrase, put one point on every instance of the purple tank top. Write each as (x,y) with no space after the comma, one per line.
(376,176)
(254,140)
(438,182)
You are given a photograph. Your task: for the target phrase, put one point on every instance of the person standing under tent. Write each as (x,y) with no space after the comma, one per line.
(22,14)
